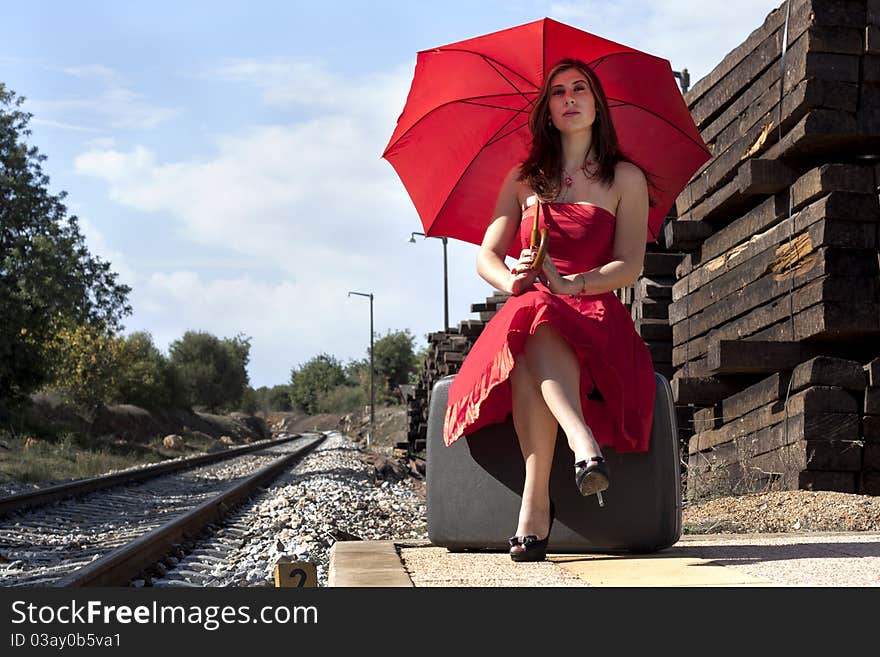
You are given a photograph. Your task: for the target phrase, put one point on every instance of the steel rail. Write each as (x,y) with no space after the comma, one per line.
(119,567)
(42,496)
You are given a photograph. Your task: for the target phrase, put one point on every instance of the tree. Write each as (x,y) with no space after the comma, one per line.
(313,379)
(85,364)
(144,375)
(212,371)
(270,400)
(394,360)
(48,278)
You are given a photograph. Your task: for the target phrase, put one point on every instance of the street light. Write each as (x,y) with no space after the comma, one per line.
(372,394)
(684,79)
(412,240)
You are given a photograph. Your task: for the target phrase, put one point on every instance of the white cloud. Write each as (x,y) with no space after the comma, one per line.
(289,83)
(312,203)
(316,185)
(106,101)
(60,125)
(98,71)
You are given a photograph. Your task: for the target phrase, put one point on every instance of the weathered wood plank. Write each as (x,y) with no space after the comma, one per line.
(773,457)
(871,405)
(813,403)
(723,251)
(761,134)
(701,390)
(751,357)
(650,309)
(828,371)
(822,133)
(773,286)
(871,428)
(872,39)
(769,390)
(858,291)
(763,216)
(820,250)
(829,321)
(654,329)
(661,264)
(872,368)
(763,92)
(684,235)
(656,287)
(707,419)
(831,177)
(759,176)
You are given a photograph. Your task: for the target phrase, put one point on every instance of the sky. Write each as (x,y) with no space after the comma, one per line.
(225,156)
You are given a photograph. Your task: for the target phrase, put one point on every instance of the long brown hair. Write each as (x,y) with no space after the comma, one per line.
(542,169)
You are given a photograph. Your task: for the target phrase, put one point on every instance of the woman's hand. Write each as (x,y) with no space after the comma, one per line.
(522,277)
(558,284)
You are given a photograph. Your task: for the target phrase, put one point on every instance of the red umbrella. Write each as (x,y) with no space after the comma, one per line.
(465,123)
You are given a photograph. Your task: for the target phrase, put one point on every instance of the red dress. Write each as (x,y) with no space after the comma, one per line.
(617,373)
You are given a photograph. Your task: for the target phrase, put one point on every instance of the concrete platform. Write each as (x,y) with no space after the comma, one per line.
(815,559)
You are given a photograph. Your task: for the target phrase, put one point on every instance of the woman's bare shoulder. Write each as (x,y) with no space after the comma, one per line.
(515,186)
(629,175)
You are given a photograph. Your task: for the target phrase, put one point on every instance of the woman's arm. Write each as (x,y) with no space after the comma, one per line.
(629,241)
(499,236)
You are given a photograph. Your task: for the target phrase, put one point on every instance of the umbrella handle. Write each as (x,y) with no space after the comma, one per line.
(534,235)
(542,250)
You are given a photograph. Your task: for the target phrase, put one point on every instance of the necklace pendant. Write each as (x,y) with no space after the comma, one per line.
(569,181)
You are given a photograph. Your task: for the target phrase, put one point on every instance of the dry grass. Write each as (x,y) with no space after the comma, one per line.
(66,458)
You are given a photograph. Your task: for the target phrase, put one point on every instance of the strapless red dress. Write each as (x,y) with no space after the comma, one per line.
(617,374)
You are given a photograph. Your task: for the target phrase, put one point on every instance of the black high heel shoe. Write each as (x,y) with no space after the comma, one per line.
(591,476)
(533,549)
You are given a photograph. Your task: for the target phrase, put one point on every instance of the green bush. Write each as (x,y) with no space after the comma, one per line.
(272,400)
(313,379)
(211,371)
(145,377)
(85,365)
(342,399)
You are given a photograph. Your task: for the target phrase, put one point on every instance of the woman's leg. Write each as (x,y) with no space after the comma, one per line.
(555,368)
(536,430)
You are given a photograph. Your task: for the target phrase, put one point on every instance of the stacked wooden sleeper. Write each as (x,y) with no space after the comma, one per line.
(775,313)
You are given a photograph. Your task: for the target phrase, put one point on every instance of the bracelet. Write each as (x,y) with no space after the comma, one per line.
(583,285)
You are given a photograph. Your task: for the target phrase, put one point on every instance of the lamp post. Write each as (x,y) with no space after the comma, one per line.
(412,240)
(372,394)
(684,79)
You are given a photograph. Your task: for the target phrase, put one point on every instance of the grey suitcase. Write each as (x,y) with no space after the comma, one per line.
(474,488)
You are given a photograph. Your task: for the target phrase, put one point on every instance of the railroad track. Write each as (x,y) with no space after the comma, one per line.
(110,536)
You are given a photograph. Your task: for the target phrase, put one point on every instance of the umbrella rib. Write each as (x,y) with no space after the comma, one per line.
(466,101)
(626,103)
(601,60)
(492,140)
(498,137)
(493,62)
(506,79)
(491,106)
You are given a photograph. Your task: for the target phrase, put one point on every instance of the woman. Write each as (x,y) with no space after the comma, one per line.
(563,350)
